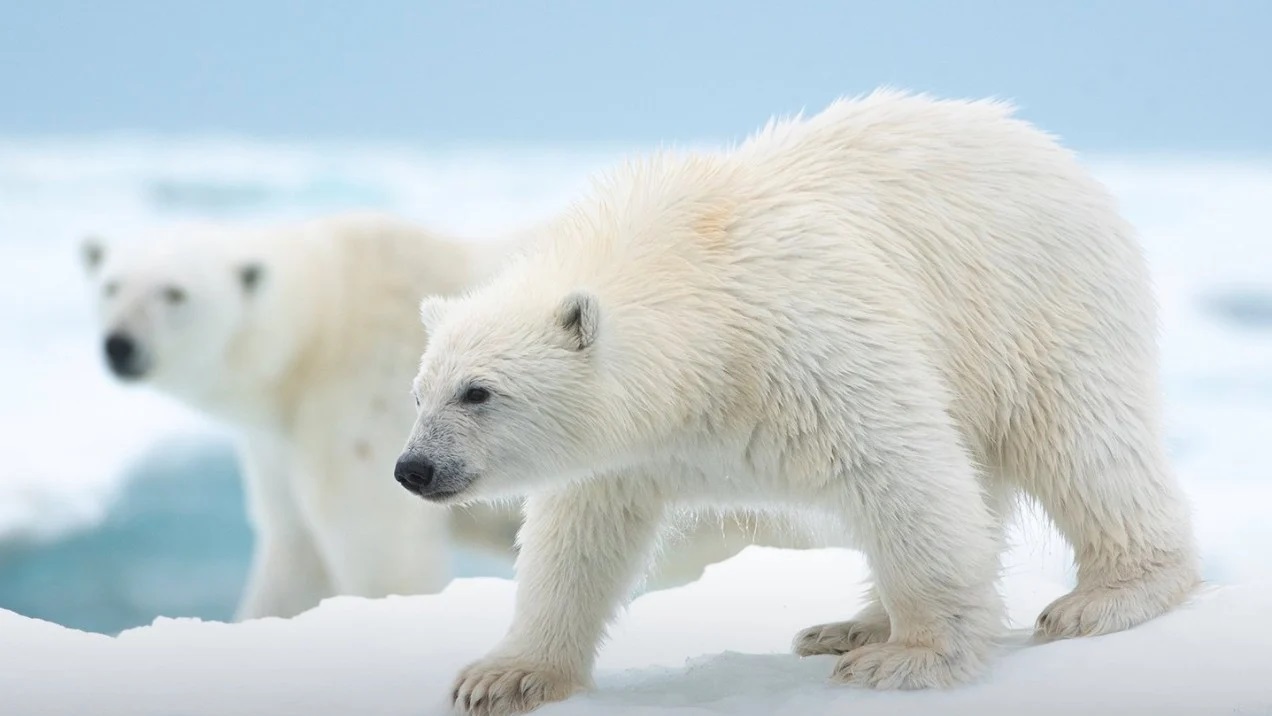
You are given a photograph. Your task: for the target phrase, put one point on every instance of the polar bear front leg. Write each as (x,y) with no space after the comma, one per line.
(933,546)
(287,575)
(582,550)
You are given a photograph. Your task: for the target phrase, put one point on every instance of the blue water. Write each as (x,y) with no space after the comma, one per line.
(176,542)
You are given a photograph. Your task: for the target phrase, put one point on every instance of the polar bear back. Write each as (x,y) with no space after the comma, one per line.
(946,230)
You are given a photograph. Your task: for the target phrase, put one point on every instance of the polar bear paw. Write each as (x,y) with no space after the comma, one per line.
(1103,610)
(506,686)
(842,637)
(898,666)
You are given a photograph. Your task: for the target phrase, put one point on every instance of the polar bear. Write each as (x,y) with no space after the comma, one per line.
(894,317)
(298,337)
(303,338)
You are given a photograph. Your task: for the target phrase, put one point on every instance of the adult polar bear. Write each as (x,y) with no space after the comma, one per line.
(302,338)
(896,315)
(296,336)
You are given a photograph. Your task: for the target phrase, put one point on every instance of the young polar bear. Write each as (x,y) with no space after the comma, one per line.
(302,338)
(893,316)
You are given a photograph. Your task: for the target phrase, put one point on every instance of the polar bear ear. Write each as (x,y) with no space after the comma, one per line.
(431,310)
(580,315)
(250,276)
(92,252)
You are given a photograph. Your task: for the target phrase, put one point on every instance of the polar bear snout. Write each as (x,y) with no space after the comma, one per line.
(414,473)
(124,355)
(422,476)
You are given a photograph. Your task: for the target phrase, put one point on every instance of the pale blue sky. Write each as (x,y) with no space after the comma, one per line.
(1191,75)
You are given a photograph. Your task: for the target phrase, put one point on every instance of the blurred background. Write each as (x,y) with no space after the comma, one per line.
(118,505)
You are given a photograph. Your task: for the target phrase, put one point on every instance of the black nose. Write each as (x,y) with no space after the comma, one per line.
(415,474)
(119,349)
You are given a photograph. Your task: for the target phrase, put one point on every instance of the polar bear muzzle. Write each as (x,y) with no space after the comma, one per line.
(126,358)
(436,482)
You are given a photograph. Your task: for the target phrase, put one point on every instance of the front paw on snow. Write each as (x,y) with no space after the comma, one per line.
(897,666)
(502,687)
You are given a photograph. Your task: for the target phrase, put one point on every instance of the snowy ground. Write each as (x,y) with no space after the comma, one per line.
(718,646)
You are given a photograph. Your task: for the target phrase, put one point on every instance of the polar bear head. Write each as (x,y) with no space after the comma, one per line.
(508,391)
(606,342)
(171,313)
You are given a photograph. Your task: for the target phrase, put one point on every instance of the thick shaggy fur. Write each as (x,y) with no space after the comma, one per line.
(892,318)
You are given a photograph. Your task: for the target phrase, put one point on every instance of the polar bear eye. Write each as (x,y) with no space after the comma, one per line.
(172,294)
(475,396)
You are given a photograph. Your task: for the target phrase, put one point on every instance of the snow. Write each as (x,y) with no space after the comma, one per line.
(718,646)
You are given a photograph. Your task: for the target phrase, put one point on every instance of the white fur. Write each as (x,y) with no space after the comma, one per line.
(892,317)
(309,365)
